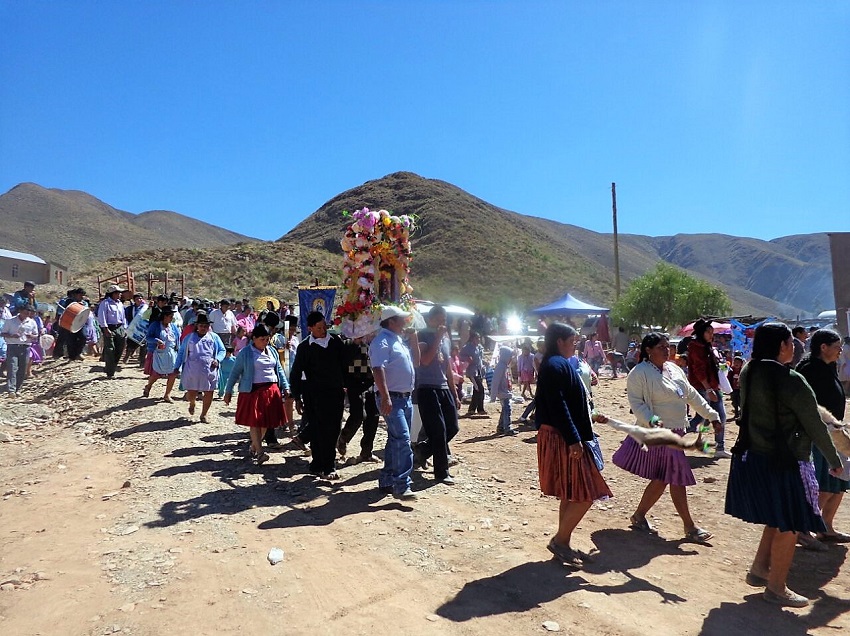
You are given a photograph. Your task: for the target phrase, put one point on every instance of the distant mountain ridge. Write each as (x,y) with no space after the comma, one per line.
(465,250)
(461,239)
(73,228)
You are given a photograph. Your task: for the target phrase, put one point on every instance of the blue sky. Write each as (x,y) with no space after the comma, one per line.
(728,117)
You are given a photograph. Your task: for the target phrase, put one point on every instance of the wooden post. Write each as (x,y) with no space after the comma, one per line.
(616,244)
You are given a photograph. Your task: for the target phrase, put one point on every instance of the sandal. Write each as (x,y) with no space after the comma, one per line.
(698,535)
(565,555)
(203,419)
(755,580)
(191,409)
(641,523)
(299,443)
(262,458)
(789,599)
(146,392)
(834,537)
(167,399)
(808,542)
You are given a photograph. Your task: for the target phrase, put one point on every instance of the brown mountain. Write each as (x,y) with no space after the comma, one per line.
(469,250)
(73,228)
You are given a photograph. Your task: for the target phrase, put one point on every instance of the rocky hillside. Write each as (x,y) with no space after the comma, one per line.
(467,249)
(74,228)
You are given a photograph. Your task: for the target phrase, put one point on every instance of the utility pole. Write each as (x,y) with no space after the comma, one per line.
(616,244)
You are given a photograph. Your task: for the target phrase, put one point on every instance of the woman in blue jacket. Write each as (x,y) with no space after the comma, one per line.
(262,388)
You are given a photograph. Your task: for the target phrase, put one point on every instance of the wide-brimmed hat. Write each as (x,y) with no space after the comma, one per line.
(114,288)
(391,311)
(168,309)
(201,318)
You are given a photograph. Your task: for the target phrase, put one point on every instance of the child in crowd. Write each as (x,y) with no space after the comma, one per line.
(225,368)
(501,388)
(458,369)
(525,369)
(734,375)
(239,340)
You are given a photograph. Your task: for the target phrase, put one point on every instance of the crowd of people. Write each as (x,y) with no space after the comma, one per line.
(785,473)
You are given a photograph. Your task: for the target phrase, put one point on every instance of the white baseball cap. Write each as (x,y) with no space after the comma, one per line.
(114,288)
(391,311)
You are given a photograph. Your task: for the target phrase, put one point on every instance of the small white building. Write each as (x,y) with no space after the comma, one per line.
(20,266)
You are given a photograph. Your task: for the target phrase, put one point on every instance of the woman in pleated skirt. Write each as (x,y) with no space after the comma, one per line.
(566,442)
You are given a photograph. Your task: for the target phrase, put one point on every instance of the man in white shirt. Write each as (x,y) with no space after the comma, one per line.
(19,332)
(223,322)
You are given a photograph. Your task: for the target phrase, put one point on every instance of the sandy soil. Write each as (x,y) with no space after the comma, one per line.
(121,514)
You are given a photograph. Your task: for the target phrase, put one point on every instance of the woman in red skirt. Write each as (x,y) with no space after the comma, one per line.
(262,389)
(568,454)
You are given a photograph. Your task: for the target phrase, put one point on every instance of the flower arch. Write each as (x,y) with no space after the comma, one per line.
(376,269)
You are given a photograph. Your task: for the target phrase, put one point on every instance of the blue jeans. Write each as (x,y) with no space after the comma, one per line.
(398,454)
(699,419)
(505,418)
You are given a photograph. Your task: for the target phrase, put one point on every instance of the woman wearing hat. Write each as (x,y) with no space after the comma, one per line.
(163,340)
(262,387)
(198,360)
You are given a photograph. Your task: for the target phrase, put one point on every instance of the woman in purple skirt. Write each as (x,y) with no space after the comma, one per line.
(659,395)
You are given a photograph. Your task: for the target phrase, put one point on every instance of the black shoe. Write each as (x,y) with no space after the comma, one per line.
(419,461)
(385,490)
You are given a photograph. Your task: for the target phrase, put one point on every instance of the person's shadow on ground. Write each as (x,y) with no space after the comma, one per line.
(810,572)
(529,585)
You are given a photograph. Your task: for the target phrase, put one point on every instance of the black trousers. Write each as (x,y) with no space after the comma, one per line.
(113,349)
(476,404)
(439,422)
(73,342)
(132,345)
(357,404)
(323,407)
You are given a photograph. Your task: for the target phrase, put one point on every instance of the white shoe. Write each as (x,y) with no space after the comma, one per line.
(722,454)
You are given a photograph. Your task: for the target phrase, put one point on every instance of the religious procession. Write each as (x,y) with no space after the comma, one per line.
(310,376)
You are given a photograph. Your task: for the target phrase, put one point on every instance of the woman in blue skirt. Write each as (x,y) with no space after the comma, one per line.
(772,478)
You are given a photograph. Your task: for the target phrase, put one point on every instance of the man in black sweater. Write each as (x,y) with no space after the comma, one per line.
(317,382)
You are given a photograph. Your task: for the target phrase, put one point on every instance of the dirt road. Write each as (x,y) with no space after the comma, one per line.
(124,515)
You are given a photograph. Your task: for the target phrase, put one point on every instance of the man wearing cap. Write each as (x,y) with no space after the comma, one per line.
(318,386)
(392,365)
(23,297)
(113,324)
(19,332)
(73,342)
(223,322)
(138,306)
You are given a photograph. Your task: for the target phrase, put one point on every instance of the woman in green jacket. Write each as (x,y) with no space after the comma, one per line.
(772,478)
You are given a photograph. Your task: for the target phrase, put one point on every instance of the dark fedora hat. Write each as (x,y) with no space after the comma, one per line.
(201,318)
(168,309)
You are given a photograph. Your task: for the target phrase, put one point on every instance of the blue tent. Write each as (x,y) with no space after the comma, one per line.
(568,305)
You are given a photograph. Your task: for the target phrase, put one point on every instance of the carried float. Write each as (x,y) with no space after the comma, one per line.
(376,269)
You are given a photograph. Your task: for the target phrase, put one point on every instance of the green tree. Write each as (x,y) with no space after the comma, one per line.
(668,296)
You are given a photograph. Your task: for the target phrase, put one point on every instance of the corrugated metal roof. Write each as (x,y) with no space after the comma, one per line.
(21,256)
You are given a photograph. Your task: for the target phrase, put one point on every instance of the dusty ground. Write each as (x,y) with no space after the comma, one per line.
(121,514)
